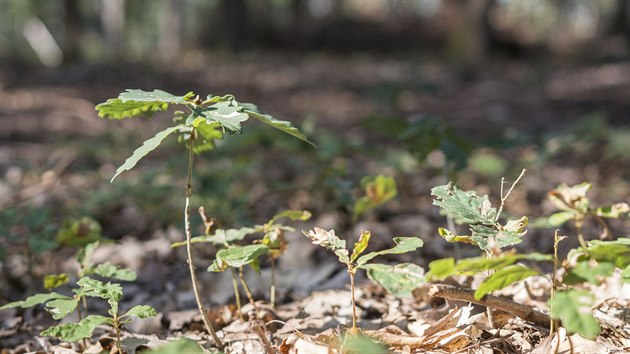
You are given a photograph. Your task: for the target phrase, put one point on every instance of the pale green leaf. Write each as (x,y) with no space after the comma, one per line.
(182,345)
(34,300)
(571,198)
(330,241)
(153,96)
(96,288)
(148,146)
(72,332)
(60,308)
(441,268)
(115,108)
(586,271)
(625,275)
(398,280)
(141,311)
(479,264)
(403,245)
(79,232)
(502,278)
(378,190)
(464,207)
(573,308)
(616,252)
(613,211)
(220,237)
(301,215)
(285,126)
(108,270)
(85,254)
(560,218)
(360,245)
(363,344)
(227,113)
(237,256)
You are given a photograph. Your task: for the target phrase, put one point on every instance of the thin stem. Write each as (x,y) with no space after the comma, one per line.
(556,240)
(354,304)
(237,294)
(504,197)
(241,276)
(191,266)
(272,291)
(579,224)
(117,329)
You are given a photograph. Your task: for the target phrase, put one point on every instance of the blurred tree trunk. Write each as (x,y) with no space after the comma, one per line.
(72,31)
(234,23)
(113,21)
(170,30)
(467,41)
(621,20)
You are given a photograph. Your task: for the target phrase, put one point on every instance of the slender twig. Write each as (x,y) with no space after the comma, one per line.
(237,294)
(272,291)
(354,305)
(191,266)
(248,292)
(504,197)
(464,294)
(261,331)
(556,240)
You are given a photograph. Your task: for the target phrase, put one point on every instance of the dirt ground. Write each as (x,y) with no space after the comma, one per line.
(564,123)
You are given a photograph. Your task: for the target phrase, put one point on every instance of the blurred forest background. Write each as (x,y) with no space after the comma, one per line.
(422,90)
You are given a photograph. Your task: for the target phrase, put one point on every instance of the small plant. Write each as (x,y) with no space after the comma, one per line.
(378,190)
(206,121)
(60,306)
(399,279)
(235,257)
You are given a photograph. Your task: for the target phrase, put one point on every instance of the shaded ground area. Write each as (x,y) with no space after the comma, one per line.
(564,124)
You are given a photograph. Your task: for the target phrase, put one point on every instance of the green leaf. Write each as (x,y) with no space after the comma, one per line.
(441,269)
(153,96)
(613,211)
(487,237)
(378,190)
(616,252)
(148,146)
(227,113)
(72,332)
(301,215)
(403,245)
(220,237)
(464,207)
(360,245)
(115,108)
(182,345)
(52,281)
(362,344)
(34,300)
(60,308)
(141,311)
(78,233)
(479,264)
(502,278)
(101,290)
(560,218)
(625,275)
(108,270)
(398,280)
(285,126)
(85,254)
(237,256)
(206,136)
(573,308)
(585,271)
(330,241)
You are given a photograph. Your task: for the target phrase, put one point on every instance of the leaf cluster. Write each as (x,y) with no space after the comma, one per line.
(206,121)
(466,207)
(399,280)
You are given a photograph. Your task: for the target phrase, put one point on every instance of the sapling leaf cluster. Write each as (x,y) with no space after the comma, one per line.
(399,280)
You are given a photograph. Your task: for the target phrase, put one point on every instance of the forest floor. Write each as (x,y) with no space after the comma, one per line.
(563,123)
